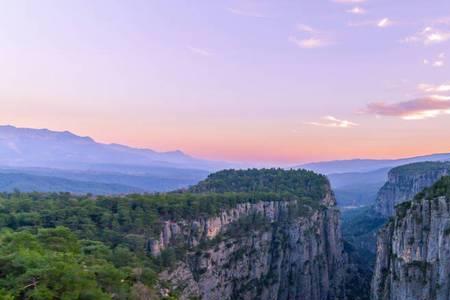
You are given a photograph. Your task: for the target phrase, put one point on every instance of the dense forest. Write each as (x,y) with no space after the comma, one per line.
(293,182)
(421,168)
(62,246)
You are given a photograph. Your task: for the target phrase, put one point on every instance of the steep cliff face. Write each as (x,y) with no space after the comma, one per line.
(413,249)
(286,249)
(406,181)
(191,233)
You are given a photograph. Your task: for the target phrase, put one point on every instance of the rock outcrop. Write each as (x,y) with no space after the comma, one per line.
(192,232)
(406,181)
(280,250)
(413,249)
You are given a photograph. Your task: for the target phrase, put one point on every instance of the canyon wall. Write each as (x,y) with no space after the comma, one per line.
(263,250)
(413,249)
(406,181)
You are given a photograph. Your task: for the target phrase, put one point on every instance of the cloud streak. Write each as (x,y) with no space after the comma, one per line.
(306,28)
(437,62)
(349,1)
(311,38)
(431,88)
(357,11)
(309,43)
(199,51)
(417,109)
(428,36)
(245,13)
(386,22)
(332,122)
(382,23)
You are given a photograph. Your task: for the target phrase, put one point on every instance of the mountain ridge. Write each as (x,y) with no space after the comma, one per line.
(366,165)
(46,161)
(28,147)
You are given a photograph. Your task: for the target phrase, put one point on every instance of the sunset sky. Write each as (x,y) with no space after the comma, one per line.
(271,81)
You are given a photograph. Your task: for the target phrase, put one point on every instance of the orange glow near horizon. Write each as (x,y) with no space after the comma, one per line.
(266,145)
(222,86)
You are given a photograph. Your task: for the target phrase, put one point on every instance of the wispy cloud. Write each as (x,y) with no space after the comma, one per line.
(417,109)
(386,22)
(444,20)
(357,11)
(428,36)
(382,23)
(349,1)
(432,88)
(437,62)
(308,43)
(435,102)
(200,51)
(311,38)
(246,13)
(440,97)
(330,121)
(306,28)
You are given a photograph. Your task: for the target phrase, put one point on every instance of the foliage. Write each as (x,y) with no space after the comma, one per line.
(132,219)
(52,264)
(439,189)
(420,168)
(402,209)
(299,183)
(359,228)
(63,246)
(360,222)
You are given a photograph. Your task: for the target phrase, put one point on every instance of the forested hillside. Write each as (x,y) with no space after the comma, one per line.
(62,246)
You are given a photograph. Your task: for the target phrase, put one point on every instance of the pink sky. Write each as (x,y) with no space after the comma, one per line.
(235,80)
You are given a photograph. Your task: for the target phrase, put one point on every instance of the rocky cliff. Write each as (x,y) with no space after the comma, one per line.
(413,249)
(289,248)
(406,181)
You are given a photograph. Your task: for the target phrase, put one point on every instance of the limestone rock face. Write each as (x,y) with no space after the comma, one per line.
(282,257)
(406,181)
(194,231)
(413,253)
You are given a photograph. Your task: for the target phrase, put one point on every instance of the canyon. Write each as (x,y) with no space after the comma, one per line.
(406,181)
(282,249)
(413,249)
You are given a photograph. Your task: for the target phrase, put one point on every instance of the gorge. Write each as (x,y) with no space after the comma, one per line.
(254,234)
(406,181)
(239,234)
(414,248)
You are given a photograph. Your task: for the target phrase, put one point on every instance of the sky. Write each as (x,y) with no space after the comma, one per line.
(261,81)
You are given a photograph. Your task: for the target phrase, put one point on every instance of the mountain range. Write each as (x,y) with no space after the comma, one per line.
(367,165)
(45,160)
(24,147)
(356,182)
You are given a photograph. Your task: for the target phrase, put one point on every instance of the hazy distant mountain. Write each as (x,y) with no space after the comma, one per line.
(152,179)
(356,182)
(10,182)
(24,147)
(367,165)
(357,188)
(44,160)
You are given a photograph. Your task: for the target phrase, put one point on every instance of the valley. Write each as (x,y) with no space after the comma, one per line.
(165,226)
(224,150)
(250,234)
